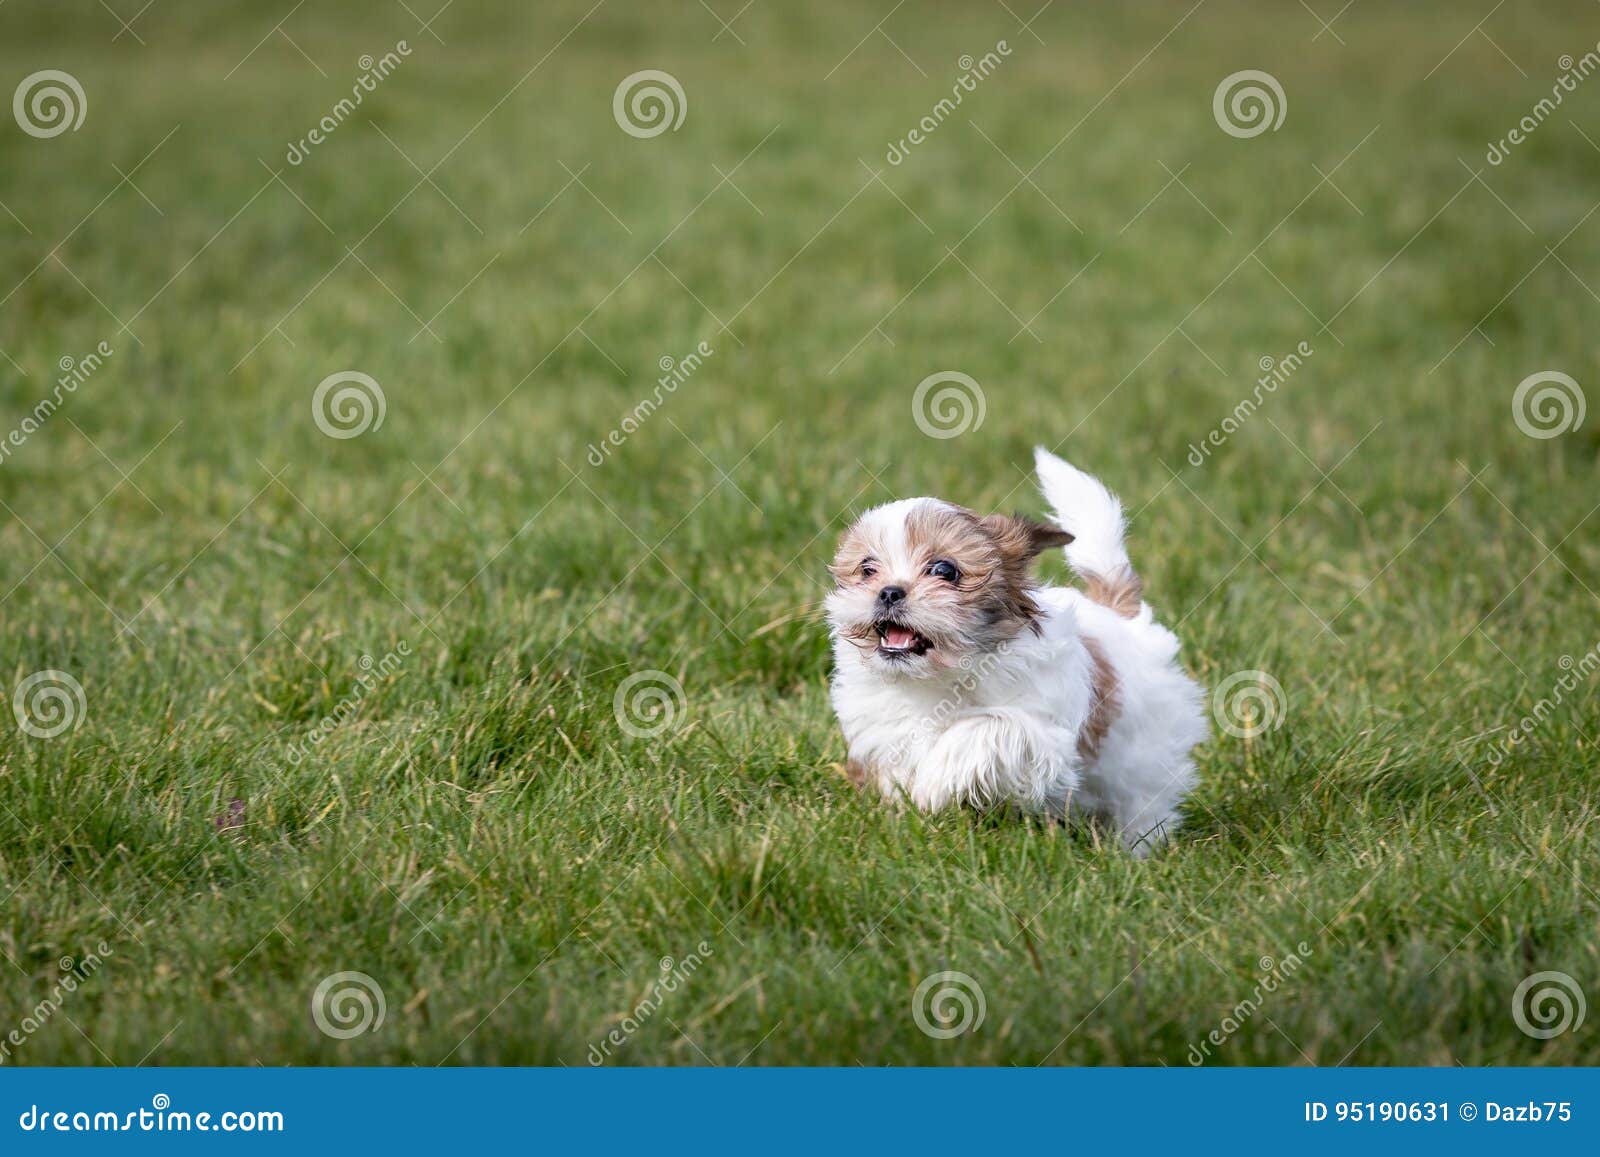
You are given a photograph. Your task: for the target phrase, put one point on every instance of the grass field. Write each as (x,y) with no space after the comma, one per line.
(349,704)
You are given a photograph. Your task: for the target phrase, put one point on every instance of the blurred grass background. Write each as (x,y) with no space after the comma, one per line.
(482,838)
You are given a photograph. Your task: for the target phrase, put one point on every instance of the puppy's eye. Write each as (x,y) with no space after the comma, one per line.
(946,570)
(868,570)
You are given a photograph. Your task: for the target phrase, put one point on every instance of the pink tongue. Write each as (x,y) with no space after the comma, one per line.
(899,637)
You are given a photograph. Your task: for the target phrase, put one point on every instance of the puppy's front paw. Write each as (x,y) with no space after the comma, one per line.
(933,792)
(992,757)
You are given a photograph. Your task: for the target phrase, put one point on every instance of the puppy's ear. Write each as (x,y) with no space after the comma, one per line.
(1021,539)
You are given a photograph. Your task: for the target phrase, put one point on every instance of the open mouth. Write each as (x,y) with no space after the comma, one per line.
(896,640)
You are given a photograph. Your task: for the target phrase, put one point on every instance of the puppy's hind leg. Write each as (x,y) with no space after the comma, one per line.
(1141,839)
(1146,814)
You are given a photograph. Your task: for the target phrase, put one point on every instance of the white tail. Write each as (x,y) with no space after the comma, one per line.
(1087,510)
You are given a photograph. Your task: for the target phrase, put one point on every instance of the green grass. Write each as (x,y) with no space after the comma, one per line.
(479,835)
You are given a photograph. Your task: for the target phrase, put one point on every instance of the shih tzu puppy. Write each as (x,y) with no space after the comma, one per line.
(959,679)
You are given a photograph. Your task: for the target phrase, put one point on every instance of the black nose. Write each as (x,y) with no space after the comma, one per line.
(889,596)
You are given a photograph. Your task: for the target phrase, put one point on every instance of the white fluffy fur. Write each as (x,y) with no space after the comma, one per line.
(1002,725)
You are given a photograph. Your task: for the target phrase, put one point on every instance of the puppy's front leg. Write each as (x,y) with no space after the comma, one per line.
(997,755)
